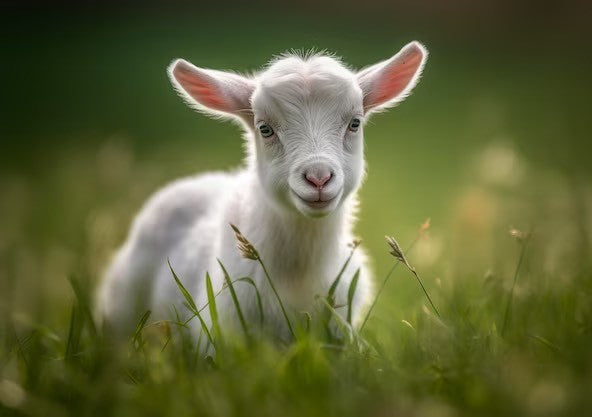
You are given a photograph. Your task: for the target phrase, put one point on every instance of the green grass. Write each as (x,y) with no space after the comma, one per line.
(504,345)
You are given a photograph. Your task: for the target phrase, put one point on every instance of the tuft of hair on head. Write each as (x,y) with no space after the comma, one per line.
(304,55)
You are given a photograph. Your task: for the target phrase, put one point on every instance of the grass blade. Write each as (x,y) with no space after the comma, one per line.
(204,327)
(544,342)
(190,304)
(137,339)
(83,304)
(279,299)
(345,328)
(523,244)
(234,299)
(333,287)
(258,295)
(183,290)
(213,309)
(74,333)
(308,318)
(350,294)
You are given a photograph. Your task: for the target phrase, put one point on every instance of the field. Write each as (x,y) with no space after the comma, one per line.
(492,148)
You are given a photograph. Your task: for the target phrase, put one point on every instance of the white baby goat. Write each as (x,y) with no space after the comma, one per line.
(294,200)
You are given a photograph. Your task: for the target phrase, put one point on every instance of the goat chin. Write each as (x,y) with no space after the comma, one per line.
(294,200)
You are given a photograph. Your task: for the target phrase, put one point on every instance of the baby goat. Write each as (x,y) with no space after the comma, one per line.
(294,200)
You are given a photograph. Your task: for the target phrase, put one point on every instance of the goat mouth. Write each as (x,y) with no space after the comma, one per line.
(316,204)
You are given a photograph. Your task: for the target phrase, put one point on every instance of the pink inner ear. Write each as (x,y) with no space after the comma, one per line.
(201,87)
(394,78)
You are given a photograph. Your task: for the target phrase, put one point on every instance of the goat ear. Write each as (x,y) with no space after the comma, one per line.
(389,82)
(218,92)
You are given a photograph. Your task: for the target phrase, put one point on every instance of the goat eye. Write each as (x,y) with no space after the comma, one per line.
(266,130)
(354,125)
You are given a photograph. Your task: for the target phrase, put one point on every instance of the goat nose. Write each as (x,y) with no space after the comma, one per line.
(318,176)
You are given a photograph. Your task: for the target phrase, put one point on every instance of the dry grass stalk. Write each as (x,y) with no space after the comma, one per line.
(522,238)
(245,247)
(420,232)
(248,251)
(397,252)
(519,235)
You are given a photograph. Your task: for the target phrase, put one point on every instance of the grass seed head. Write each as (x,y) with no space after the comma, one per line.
(519,235)
(354,243)
(425,225)
(245,247)
(396,250)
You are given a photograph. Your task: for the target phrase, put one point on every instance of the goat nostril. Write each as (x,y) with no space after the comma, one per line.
(318,180)
(326,179)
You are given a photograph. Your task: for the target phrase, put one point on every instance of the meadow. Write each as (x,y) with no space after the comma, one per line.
(492,148)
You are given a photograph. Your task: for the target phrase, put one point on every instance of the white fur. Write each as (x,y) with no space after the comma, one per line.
(309,102)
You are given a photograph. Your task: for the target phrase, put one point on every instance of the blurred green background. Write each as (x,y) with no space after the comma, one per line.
(496,135)
(91,126)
